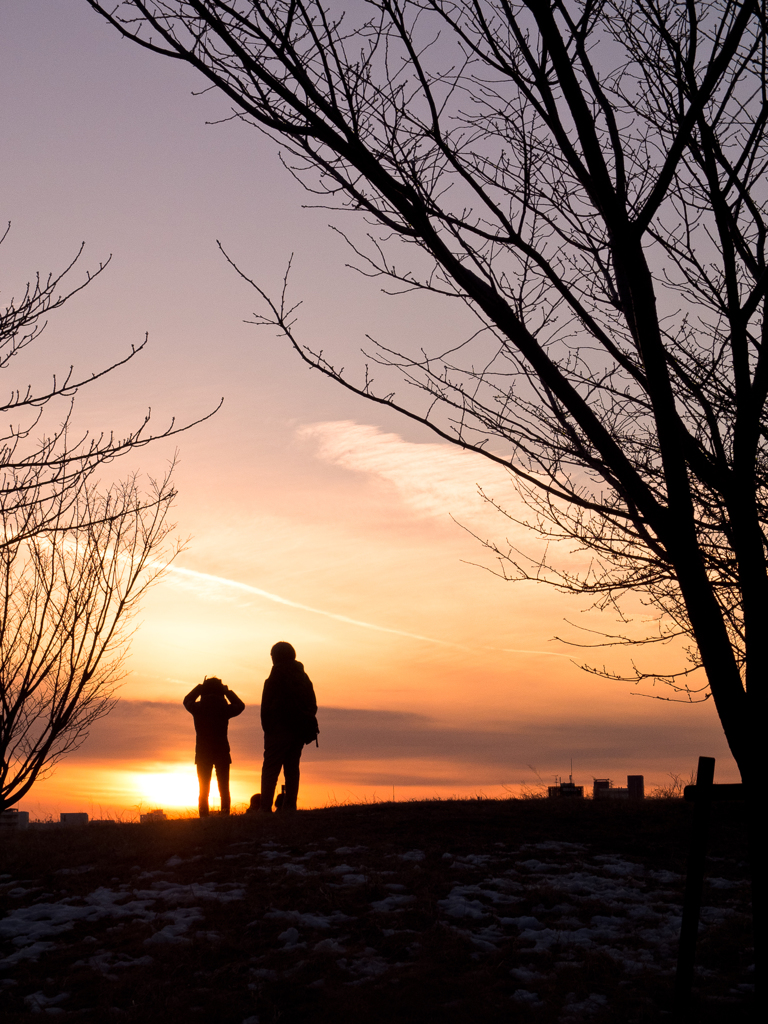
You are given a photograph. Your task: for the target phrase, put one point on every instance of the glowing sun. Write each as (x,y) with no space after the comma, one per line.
(175,788)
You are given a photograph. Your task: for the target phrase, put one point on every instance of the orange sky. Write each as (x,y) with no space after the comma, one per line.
(314,516)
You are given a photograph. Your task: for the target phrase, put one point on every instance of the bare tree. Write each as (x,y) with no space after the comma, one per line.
(74,559)
(67,594)
(589,177)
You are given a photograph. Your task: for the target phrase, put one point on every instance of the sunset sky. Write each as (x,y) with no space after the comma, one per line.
(313,516)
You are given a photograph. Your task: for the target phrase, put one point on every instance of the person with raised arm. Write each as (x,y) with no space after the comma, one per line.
(212,704)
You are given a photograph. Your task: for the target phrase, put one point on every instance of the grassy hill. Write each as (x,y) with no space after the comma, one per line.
(518,910)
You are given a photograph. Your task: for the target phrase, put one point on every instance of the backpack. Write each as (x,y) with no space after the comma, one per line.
(310,730)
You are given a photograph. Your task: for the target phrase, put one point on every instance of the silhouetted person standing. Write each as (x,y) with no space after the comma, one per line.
(288,709)
(212,704)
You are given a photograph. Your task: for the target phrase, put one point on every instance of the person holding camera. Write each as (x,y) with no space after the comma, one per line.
(212,704)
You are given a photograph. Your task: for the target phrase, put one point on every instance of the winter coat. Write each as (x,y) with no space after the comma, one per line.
(212,713)
(288,700)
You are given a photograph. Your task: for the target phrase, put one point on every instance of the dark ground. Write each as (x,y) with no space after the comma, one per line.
(481,911)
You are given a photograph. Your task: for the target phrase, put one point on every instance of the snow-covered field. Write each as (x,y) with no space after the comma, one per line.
(419,912)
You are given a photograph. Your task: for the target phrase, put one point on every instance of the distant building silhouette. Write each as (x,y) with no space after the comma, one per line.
(635,789)
(73,818)
(12,818)
(602,789)
(565,790)
(156,815)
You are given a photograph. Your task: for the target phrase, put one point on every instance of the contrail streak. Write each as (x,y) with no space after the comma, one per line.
(521,650)
(222,580)
(276,599)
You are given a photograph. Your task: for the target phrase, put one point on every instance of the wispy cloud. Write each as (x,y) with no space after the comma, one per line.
(433,479)
(438,480)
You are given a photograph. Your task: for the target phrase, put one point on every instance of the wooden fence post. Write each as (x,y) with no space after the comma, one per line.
(694,884)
